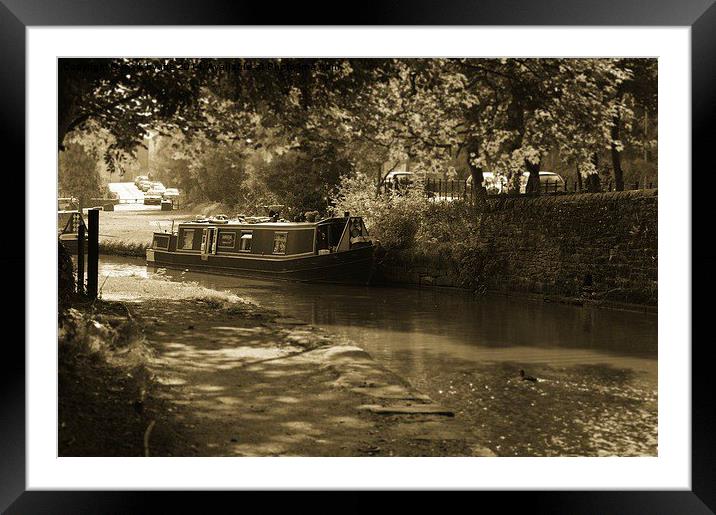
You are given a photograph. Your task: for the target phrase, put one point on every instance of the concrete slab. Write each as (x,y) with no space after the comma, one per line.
(409,409)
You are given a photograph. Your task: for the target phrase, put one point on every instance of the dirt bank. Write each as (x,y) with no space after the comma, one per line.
(230,379)
(103,381)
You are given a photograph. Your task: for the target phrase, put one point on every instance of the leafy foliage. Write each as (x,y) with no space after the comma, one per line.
(393,218)
(326,117)
(126,97)
(78,174)
(303,181)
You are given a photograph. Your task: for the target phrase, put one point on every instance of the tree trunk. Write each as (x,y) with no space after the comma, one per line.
(579,180)
(472,147)
(616,156)
(594,183)
(65,105)
(73,85)
(533,184)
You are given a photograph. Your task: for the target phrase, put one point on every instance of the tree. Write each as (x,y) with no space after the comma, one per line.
(127,96)
(500,114)
(78,174)
(527,107)
(304,179)
(221,173)
(640,88)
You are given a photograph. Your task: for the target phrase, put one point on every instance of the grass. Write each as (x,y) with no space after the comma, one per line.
(106,388)
(134,287)
(137,226)
(103,378)
(123,248)
(129,233)
(99,329)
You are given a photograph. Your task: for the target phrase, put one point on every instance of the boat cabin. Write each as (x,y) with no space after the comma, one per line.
(264,239)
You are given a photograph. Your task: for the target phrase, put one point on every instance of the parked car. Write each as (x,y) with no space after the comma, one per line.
(548,182)
(399,180)
(494,184)
(171,193)
(145,185)
(158,187)
(152,197)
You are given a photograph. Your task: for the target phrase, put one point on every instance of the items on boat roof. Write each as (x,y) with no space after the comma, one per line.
(223,219)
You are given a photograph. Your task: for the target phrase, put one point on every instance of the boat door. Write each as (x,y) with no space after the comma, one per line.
(208,242)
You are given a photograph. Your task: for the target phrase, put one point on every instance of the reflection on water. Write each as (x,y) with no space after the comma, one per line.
(597,368)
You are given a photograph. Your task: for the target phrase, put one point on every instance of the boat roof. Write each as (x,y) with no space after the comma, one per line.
(262,224)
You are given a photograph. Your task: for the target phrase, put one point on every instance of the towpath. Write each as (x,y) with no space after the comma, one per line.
(234,380)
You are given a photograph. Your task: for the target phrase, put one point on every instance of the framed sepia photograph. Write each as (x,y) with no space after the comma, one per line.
(420,249)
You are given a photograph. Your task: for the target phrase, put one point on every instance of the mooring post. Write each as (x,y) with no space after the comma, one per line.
(81,258)
(92,252)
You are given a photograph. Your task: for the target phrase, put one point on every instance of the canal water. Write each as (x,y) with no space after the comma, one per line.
(596,369)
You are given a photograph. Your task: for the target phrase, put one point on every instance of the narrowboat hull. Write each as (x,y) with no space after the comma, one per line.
(70,245)
(355,266)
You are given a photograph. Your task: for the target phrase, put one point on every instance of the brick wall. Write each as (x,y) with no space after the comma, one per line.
(599,246)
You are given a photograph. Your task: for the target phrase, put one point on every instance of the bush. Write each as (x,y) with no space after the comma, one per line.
(65,273)
(393,218)
(444,235)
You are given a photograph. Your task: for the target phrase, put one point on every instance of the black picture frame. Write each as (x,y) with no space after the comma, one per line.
(700,15)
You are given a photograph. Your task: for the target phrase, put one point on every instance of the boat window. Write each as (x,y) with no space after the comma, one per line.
(328,235)
(279,242)
(335,233)
(246,238)
(161,242)
(188,242)
(322,238)
(227,240)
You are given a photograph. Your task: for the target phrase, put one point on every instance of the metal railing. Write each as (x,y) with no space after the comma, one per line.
(453,189)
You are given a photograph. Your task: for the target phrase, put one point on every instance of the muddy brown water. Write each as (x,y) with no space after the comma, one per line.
(596,369)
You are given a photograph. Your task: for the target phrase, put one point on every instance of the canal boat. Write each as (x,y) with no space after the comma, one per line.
(68,224)
(335,250)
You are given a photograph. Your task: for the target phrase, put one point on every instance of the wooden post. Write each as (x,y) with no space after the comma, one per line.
(92,252)
(81,259)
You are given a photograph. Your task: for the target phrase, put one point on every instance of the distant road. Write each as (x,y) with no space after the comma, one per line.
(130,197)
(126,192)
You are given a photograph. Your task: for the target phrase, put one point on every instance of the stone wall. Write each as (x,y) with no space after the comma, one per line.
(600,247)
